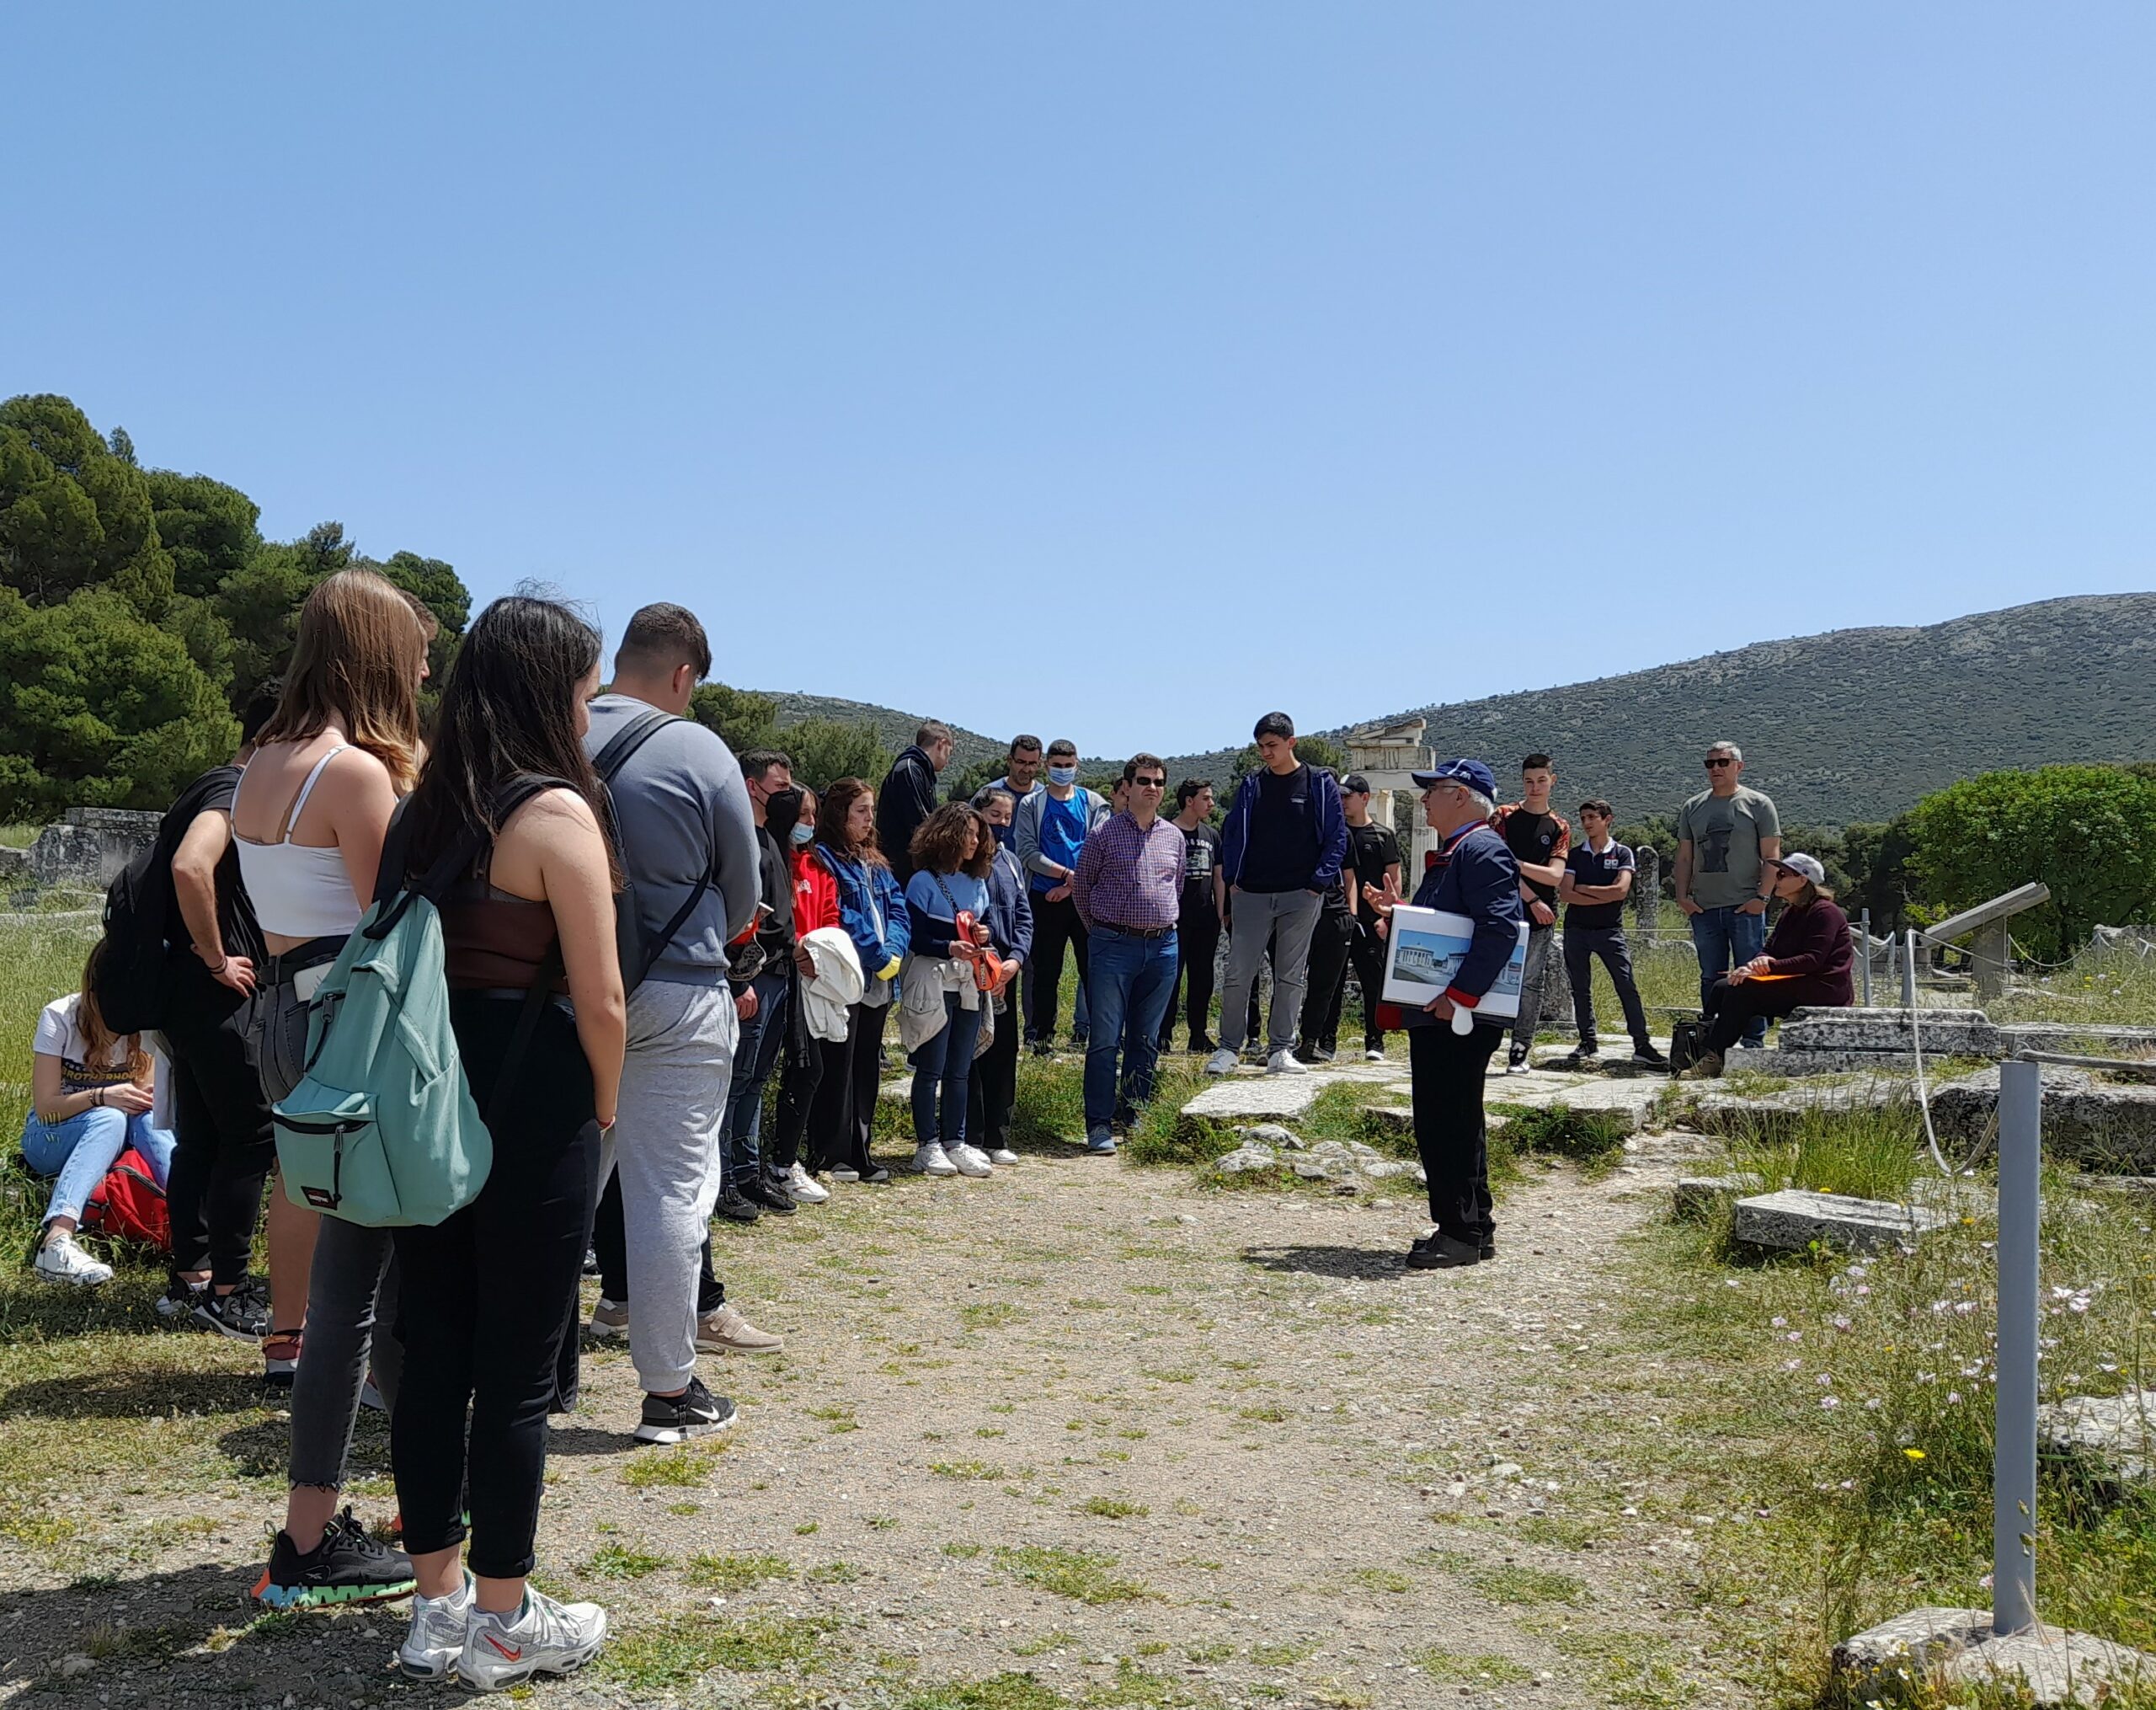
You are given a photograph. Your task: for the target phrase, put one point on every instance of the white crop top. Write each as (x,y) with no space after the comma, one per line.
(298,890)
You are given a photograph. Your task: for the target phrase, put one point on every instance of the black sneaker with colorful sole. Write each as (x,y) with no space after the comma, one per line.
(348,1566)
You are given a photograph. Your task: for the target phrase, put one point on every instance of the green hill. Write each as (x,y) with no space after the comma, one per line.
(1854,725)
(893,727)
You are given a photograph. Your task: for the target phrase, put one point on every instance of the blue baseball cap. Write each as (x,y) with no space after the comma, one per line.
(1473,773)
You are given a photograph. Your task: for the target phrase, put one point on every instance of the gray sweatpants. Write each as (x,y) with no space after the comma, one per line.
(666,1145)
(1254,916)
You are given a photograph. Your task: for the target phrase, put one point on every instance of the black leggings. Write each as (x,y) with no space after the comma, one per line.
(1733,1004)
(1325,982)
(831,1143)
(488,1293)
(992,1093)
(1366,950)
(222,1144)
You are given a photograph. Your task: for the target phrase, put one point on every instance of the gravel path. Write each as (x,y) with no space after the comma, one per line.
(1150,1443)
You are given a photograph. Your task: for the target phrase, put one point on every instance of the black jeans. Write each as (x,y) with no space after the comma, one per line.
(610,1240)
(1582,944)
(1326,979)
(1448,1069)
(1366,950)
(868,1074)
(1056,924)
(1197,942)
(489,1294)
(993,1091)
(800,1075)
(222,1144)
(1734,1005)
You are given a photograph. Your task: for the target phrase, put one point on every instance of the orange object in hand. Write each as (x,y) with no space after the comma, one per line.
(988,973)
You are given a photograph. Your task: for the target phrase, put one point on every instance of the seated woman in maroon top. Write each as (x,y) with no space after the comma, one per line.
(1806,964)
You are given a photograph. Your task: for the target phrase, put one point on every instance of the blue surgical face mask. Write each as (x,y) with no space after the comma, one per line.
(803,836)
(1063,774)
(1002,835)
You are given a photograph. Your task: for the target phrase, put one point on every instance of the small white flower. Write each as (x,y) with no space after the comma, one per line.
(1830,1400)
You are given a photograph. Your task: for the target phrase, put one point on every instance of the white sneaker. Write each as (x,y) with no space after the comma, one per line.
(971,1160)
(806,1190)
(1221,1062)
(435,1638)
(930,1160)
(60,1260)
(1003,1155)
(1284,1062)
(1372,1056)
(542,1638)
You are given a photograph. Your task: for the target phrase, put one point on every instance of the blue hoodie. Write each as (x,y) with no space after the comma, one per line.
(867,893)
(1330,827)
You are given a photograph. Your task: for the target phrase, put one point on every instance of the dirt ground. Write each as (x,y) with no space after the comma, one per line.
(1080,1433)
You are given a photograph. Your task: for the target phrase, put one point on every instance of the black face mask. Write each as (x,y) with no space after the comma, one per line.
(782,812)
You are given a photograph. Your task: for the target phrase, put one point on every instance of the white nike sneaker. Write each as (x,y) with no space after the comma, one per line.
(435,1638)
(971,1160)
(60,1260)
(542,1638)
(1003,1155)
(806,1190)
(1221,1062)
(1285,1063)
(930,1160)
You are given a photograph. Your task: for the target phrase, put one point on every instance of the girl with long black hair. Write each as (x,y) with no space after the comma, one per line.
(488,1292)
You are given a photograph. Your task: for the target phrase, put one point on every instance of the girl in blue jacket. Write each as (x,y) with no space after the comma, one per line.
(872,910)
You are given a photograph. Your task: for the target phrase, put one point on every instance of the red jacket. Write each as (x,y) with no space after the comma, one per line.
(816,895)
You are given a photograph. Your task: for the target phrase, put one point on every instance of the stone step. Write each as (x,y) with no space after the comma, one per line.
(1700,1196)
(1790,1220)
(1957,1646)
(2110,1438)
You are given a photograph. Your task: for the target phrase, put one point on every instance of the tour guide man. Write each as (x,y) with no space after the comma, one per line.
(1475,875)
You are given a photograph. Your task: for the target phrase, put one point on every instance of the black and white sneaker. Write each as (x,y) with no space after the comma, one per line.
(243,1314)
(346,1567)
(179,1298)
(1516,1061)
(1647,1057)
(676,1418)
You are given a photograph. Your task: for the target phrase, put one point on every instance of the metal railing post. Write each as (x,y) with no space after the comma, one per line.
(1909,969)
(2013,1463)
(1865,927)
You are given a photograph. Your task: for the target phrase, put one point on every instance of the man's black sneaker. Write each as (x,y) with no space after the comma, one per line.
(1647,1057)
(676,1418)
(1516,1061)
(346,1567)
(1488,1250)
(761,1190)
(243,1314)
(1201,1046)
(1437,1251)
(732,1205)
(179,1298)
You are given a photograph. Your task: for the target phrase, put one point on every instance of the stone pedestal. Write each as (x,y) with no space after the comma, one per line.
(1791,1220)
(91,847)
(1956,1646)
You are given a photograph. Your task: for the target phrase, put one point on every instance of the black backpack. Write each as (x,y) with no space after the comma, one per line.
(139,910)
(1688,1037)
(636,954)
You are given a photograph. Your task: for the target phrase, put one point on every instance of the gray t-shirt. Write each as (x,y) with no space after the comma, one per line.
(684,810)
(1725,833)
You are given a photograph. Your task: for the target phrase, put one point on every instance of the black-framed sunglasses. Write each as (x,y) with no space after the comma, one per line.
(1720,760)
(1150,783)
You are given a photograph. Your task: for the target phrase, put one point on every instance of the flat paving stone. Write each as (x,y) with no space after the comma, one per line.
(1792,1219)
(2055,1666)
(1630,1100)
(2113,1436)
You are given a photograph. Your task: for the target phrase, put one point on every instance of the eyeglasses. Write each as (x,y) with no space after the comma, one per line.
(1720,760)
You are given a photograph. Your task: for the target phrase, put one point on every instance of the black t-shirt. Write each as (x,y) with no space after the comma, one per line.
(235,923)
(1371,848)
(1201,855)
(1541,838)
(1280,851)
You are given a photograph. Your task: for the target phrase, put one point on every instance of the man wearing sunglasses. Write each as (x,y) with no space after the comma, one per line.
(1127,888)
(1728,837)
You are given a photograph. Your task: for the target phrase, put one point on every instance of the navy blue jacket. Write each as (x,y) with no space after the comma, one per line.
(1331,827)
(1010,910)
(1479,878)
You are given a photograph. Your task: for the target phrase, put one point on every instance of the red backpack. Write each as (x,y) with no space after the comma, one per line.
(129,1205)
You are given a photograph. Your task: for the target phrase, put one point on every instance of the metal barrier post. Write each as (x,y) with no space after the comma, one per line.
(2014,1464)
(1909,969)
(1864,929)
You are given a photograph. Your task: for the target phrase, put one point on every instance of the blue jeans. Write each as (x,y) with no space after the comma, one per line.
(1130,982)
(81,1149)
(1726,938)
(755,1054)
(945,1063)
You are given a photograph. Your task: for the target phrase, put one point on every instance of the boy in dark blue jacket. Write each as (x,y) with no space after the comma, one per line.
(1475,875)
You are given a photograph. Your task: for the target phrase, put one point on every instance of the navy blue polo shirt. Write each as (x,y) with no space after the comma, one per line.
(1587,867)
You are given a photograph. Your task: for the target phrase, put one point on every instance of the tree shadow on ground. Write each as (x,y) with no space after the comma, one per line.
(134,1395)
(1358,1263)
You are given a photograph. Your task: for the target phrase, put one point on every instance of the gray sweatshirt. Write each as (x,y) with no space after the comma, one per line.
(683,811)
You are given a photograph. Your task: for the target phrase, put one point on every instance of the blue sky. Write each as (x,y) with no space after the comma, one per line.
(1124,370)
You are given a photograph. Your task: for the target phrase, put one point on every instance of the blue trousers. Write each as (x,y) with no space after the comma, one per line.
(755,1054)
(79,1150)
(1129,983)
(1726,938)
(942,1069)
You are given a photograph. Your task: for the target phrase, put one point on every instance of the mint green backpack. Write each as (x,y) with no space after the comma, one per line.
(381,1130)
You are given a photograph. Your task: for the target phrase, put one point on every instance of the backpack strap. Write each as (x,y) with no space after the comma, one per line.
(625,741)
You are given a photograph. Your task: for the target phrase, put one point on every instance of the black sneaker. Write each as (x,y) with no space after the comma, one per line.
(1437,1251)
(875,1175)
(243,1314)
(676,1418)
(1583,1056)
(1043,1048)
(346,1567)
(761,1190)
(1516,1061)
(1647,1057)
(1201,1046)
(179,1298)
(732,1205)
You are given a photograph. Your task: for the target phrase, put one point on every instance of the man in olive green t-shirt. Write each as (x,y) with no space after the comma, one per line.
(1726,836)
